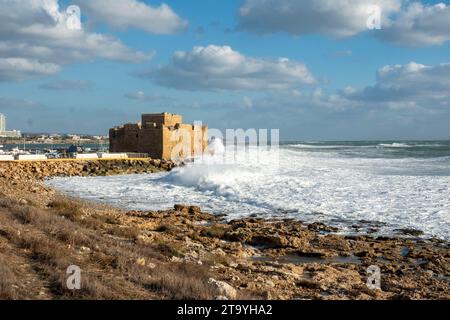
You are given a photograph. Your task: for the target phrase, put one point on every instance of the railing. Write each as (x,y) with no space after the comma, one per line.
(80,156)
(138,155)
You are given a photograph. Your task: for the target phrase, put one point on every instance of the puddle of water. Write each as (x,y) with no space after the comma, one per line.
(204,223)
(296,259)
(383,260)
(421,261)
(405,251)
(442,277)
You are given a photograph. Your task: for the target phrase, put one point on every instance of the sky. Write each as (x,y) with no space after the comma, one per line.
(315,69)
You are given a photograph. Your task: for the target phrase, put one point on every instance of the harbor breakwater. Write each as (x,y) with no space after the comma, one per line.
(40,170)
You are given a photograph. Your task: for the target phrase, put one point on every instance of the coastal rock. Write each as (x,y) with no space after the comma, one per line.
(194,209)
(240,235)
(307,283)
(223,288)
(410,232)
(187,209)
(181,208)
(334,242)
(269,241)
(318,226)
(44,169)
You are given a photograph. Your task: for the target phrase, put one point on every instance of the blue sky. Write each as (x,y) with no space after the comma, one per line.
(314,71)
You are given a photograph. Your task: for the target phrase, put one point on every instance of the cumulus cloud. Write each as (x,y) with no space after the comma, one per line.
(67,85)
(410,101)
(409,85)
(222,68)
(335,18)
(37,38)
(420,25)
(142,96)
(403,22)
(412,88)
(135,14)
(18,69)
(343,53)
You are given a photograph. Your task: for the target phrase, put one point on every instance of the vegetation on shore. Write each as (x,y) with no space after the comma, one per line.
(43,233)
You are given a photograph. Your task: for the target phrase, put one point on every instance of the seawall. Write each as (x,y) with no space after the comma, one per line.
(31,170)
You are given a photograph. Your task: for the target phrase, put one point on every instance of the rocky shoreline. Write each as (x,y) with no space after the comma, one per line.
(204,256)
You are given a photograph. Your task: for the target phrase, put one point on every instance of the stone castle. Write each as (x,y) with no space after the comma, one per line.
(161,136)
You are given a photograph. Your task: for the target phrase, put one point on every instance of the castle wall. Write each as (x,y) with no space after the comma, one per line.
(151,141)
(125,138)
(189,137)
(156,137)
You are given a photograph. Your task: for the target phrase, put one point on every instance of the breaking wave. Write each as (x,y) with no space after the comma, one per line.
(311,186)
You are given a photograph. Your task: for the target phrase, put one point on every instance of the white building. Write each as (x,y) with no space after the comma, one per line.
(7,134)
(2,123)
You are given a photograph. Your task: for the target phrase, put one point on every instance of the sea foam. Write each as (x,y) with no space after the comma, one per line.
(310,186)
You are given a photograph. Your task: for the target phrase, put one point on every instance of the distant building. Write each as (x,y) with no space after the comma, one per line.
(2,123)
(7,134)
(158,135)
(11,134)
(75,137)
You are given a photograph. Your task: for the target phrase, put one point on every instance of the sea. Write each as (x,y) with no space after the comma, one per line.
(356,186)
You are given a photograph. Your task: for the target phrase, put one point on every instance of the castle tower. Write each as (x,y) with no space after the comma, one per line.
(161,136)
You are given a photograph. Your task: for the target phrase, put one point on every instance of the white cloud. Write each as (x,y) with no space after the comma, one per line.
(413,88)
(337,18)
(135,14)
(410,101)
(18,69)
(36,40)
(138,95)
(420,25)
(403,22)
(142,96)
(409,85)
(222,68)
(343,53)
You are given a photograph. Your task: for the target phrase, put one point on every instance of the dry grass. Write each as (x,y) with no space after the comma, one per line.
(7,281)
(183,282)
(124,232)
(167,249)
(68,208)
(49,240)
